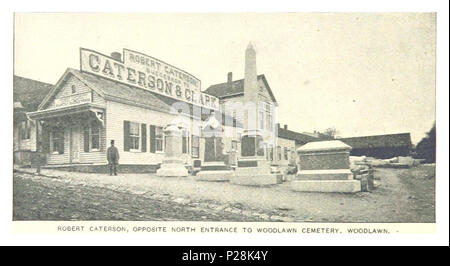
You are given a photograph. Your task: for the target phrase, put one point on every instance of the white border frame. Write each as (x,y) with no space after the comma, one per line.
(439,238)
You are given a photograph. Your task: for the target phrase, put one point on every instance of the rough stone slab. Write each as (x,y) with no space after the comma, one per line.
(172,170)
(346,186)
(213,176)
(257,180)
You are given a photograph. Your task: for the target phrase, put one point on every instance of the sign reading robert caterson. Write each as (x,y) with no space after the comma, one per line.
(148,73)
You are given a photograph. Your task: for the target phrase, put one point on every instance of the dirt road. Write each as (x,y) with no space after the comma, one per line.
(404,195)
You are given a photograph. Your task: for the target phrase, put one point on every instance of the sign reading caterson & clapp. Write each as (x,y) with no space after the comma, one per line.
(147,73)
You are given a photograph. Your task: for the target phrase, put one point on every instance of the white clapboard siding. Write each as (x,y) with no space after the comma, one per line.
(117,113)
(80,87)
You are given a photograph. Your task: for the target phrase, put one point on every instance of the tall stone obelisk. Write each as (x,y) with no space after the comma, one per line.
(252,168)
(250,89)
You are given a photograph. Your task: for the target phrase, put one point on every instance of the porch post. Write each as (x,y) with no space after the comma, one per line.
(38,148)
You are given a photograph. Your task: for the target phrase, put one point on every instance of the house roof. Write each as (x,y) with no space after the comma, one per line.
(129,93)
(224,90)
(292,135)
(29,92)
(379,141)
(117,91)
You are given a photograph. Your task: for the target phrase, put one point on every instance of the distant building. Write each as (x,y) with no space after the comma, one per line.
(28,94)
(312,134)
(380,146)
(299,138)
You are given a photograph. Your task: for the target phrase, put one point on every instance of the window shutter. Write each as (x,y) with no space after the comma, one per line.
(152,139)
(86,138)
(184,143)
(144,137)
(126,135)
(61,143)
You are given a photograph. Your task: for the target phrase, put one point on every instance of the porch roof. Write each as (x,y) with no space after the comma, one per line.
(64,111)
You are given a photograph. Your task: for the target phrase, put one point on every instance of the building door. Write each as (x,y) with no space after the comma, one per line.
(74,144)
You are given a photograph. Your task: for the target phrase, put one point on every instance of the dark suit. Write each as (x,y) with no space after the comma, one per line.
(112,154)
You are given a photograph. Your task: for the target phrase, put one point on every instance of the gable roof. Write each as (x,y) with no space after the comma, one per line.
(224,90)
(379,141)
(29,92)
(298,137)
(112,90)
(109,89)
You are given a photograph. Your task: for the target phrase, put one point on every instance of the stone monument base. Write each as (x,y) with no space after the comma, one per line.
(214,171)
(255,172)
(345,186)
(325,167)
(172,170)
(257,180)
(333,174)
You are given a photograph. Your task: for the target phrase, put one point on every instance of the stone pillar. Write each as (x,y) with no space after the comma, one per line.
(325,167)
(250,98)
(172,165)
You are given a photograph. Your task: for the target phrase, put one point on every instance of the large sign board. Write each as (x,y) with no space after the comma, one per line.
(148,73)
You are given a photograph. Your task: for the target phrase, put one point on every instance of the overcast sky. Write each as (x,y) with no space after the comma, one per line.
(363,74)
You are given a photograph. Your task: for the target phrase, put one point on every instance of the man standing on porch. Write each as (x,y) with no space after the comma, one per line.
(112,154)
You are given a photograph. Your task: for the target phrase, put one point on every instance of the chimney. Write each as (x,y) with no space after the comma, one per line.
(117,56)
(230,78)
(285,127)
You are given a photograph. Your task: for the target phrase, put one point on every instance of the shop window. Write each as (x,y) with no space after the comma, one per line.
(134,136)
(185,141)
(268,116)
(269,120)
(261,119)
(195,146)
(286,153)
(159,139)
(25,130)
(58,142)
(91,133)
(95,136)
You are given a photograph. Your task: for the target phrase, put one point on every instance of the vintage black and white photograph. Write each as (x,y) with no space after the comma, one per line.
(225,117)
